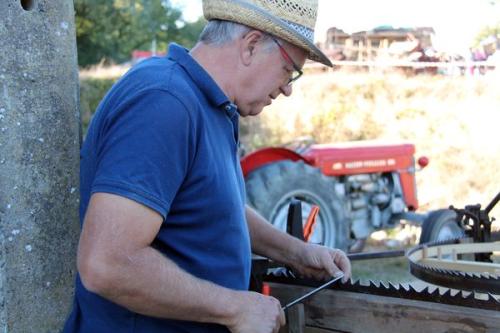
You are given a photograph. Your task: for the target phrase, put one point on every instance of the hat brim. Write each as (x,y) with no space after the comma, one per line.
(255,17)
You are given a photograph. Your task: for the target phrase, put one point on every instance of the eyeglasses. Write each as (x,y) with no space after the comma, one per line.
(297,72)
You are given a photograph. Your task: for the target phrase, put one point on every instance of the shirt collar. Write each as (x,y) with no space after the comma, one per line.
(198,74)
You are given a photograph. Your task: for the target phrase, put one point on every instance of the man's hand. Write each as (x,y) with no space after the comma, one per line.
(257,314)
(321,262)
(307,259)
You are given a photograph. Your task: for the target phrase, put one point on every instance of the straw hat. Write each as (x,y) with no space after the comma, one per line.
(290,20)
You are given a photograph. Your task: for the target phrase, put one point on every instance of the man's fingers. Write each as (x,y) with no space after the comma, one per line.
(331,262)
(282,318)
(328,264)
(336,263)
(340,259)
(324,263)
(318,274)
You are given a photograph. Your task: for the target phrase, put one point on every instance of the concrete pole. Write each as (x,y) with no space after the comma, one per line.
(39,160)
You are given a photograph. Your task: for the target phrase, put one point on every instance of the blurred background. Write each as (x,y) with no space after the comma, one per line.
(425,72)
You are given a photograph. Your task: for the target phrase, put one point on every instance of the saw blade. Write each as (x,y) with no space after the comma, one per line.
(426,264)
(440,295)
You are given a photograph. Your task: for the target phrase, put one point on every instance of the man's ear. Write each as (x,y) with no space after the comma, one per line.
(248,46)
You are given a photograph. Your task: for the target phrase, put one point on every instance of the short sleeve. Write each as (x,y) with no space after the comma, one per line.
(144,150)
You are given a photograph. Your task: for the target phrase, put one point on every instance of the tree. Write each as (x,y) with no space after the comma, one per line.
(110,30)
(190,31)
(491,30)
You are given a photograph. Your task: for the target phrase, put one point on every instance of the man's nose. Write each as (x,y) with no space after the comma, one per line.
(286,89)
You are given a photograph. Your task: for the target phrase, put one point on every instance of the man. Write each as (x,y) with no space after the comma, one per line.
(166,237)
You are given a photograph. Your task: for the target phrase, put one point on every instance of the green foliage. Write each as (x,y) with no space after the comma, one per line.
(110,30)
(91,93)
(188,34)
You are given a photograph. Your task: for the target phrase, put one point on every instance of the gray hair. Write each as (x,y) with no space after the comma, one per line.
(218,32)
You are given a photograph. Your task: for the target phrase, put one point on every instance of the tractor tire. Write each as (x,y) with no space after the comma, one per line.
(440,225)
(271,188)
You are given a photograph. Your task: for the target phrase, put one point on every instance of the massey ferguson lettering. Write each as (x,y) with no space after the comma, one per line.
(364,164)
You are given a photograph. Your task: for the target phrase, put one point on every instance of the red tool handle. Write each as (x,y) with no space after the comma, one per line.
(311,220)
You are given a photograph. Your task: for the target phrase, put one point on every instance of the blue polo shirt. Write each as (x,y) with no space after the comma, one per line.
(166,136)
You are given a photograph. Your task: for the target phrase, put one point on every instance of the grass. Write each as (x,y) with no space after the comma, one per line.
(393,270)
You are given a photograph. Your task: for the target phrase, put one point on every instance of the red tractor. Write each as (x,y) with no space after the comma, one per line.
(360,187)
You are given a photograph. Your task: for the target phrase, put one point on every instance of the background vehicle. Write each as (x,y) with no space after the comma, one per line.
(360,187)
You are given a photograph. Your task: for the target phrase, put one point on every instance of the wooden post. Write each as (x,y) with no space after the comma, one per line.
(296,319)
(369,51)
(361,50)
(39,161)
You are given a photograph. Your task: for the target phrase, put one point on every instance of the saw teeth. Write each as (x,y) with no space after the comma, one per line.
(447,293)
(435,293)
(412,289)
(356,283)
(428,293)
(396,287)
(493,297)
(475,281)
(469,297)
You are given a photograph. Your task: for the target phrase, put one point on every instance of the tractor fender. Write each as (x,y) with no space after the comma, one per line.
(265,156)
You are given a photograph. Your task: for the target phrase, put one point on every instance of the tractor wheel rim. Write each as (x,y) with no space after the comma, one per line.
(321,233)
(447,232)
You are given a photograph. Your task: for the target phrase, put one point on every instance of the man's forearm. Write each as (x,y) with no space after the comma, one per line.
(269,241)
(148,283)
(307,259)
